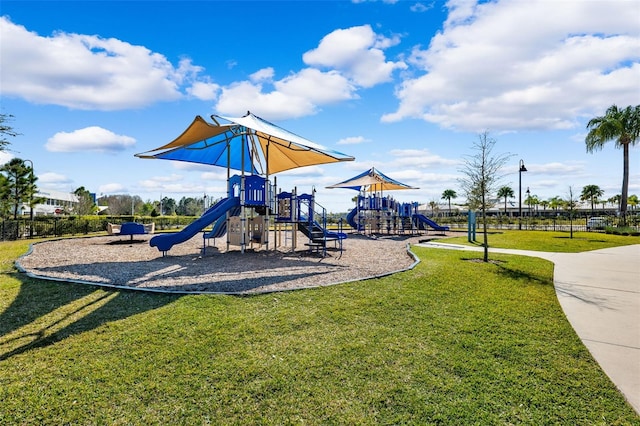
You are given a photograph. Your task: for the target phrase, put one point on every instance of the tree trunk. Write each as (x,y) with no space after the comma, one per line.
(625,183)
(484,229)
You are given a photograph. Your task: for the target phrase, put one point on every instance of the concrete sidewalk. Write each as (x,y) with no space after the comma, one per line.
(599,292)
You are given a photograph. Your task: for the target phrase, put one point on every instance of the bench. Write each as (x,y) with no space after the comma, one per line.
(131,229)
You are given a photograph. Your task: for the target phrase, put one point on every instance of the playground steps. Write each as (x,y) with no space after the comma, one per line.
(315,233)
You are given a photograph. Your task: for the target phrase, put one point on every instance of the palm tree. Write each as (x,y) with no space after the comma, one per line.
(591,193)
(505,192)
(434,207)
(615,200)
(604,203)
(623,126)
(555,203)
(448,194)
(532,200)
(633,201)
(544,204)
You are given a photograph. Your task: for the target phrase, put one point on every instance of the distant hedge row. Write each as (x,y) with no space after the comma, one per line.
(56,226)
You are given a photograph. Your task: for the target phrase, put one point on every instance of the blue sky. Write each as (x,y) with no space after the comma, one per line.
(403,86)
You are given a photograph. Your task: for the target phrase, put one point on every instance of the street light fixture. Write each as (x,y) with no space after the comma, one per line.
(520,170)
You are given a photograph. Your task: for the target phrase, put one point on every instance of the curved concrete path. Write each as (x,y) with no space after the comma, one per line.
(599,292)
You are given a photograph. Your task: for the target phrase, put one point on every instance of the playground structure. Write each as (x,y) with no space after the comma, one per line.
(251,145)
(245,217)
(302,213)
(375,214)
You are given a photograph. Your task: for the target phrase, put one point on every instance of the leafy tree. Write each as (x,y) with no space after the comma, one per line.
(6,130)
(5,196)
(555,203)
(591,193)
(148,208)
(623,126)
(448,194)
(168,206)
(20,184)
(189,206)
(481,172)
(505,192)
(121,204)
(544,204)
(85,205)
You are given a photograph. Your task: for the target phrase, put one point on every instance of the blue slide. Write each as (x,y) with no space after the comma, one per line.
(422,218)
(351,219)
(220,226)
(164,242)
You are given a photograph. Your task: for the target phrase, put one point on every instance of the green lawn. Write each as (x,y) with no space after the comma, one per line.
(451,342)
(550,241)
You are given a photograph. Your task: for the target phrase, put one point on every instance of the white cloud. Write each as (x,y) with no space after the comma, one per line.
(318,87)
(156,185)
(265,74)
(235,99)
(356,52)
(494,66)
(420,7)
(92,138)
(219,175)
(421,158)
(112,188)
(88,72)
(344,60)
(313,171)
(204,91)
(53,180)
(206,183)
(165,178)
(563,169)
(353,140)
(297,95)
(5,157)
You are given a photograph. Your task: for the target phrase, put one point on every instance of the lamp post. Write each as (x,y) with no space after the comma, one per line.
(520,170)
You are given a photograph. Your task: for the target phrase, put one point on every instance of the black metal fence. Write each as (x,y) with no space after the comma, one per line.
(50,226)
(560,223)
(58,226)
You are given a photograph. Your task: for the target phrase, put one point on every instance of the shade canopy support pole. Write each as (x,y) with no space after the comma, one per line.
(243,209)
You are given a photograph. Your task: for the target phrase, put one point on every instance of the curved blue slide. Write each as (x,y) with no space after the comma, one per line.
(422,218)
(351,218)
(164,242)
(220,226)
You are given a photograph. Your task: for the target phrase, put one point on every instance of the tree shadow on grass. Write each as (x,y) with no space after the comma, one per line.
(587,239)
(38,300)
(516,274)
(511,273)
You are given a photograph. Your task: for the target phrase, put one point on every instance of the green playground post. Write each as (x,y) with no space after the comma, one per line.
(471,226)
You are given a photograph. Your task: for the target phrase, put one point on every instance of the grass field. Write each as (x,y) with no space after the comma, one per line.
(558,242)
(452,341)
